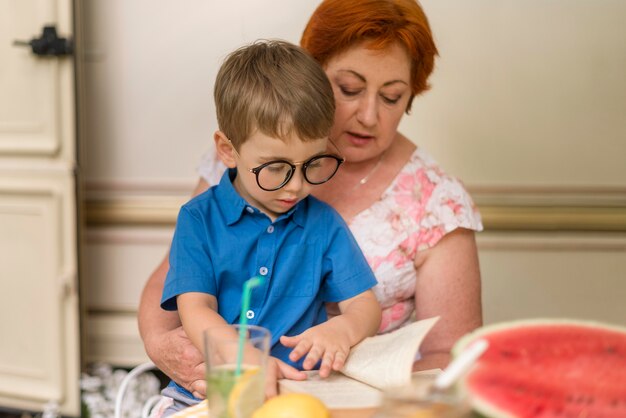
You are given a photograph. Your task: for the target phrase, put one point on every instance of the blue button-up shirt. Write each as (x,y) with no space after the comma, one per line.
(307,256)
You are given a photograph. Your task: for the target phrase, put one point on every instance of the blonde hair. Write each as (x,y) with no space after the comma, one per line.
(275,87)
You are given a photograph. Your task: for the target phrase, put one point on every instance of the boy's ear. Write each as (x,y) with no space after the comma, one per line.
(224,149)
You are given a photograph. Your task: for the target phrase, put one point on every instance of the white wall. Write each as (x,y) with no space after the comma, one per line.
(524,93)
(526,107)
(528,93)
(151,65)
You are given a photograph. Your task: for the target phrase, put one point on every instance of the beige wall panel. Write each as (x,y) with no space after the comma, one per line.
(118,261)
(553,276)
(113,338)
(525,275)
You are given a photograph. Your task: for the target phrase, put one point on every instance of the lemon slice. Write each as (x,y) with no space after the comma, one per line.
(246,395)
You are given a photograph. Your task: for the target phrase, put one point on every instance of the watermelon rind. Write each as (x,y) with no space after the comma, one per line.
(482,406)
(464,341)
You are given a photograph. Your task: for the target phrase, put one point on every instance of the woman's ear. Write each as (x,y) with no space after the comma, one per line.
(224,149)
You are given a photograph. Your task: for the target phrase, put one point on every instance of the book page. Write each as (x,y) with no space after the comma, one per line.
(377,363)
(386,361)
(336,391)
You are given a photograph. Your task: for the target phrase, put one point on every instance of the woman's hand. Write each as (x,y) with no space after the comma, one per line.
(278,369)
(178,358)
(165,341)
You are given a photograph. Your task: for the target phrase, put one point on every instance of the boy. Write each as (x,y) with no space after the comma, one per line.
(275,109)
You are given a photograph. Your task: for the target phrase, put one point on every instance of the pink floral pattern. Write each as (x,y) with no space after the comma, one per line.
(413,214)
(418,208)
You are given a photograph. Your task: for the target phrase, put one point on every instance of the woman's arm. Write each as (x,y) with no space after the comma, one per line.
(164,339)
(448,285)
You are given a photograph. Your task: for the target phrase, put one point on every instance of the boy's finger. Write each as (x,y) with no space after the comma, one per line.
(289,341)
(315,353)
(299,350)
(326,366)
(287,371)
(339,361)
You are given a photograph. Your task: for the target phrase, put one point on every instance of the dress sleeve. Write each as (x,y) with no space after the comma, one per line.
(444,206)
(450,206)
(210,167)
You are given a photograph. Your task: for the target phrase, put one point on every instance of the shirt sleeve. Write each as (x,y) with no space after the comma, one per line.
(191,268)
(346,271)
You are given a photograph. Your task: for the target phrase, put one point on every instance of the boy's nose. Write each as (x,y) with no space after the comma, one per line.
(296,181)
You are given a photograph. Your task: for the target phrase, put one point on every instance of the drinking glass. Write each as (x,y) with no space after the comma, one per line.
(417,400)
(235,375)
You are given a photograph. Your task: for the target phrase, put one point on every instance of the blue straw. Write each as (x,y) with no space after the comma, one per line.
(243,319)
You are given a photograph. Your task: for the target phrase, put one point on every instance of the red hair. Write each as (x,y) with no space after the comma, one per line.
(337,25)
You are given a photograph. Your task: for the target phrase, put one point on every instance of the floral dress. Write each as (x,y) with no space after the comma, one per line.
(418,208)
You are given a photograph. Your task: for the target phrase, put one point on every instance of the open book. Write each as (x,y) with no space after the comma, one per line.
(377,363)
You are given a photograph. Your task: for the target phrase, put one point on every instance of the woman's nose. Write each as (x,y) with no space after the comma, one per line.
(367,113)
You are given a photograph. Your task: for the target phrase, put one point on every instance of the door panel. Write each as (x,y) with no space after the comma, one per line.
(39,358)
(38,280)
(30,85)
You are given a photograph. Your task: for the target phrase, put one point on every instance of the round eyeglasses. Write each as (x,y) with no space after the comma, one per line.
(274,175)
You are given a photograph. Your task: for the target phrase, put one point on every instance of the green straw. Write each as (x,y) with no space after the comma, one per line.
(243,319)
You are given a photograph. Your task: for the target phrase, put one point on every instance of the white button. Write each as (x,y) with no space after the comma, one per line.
(250,314)
(270,229)
(249,209)
(263,271)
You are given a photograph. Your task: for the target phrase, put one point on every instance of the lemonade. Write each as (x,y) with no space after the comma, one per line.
(235,397)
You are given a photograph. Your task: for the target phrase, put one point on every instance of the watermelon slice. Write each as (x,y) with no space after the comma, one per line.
(548,368)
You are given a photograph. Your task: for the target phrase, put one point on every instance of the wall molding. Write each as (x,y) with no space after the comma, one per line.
(553,218)
(132,212)
(569,242)
(503,208)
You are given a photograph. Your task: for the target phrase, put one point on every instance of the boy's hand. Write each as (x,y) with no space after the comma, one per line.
(278,369)
(326,341)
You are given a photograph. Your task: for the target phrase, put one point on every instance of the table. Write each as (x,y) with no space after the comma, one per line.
(200,411)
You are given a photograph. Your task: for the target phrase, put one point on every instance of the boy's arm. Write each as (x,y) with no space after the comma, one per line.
(362,315)
(331,341)
(198,311)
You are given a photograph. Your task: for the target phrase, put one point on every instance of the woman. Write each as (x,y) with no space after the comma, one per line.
(414,223)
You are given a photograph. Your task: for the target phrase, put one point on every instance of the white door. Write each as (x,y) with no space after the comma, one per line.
(39,327)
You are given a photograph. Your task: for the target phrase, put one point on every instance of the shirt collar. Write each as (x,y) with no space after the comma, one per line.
(234,206)
(299,211)
(228,200)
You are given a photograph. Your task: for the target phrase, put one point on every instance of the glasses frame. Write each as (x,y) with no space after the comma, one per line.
(293,167)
